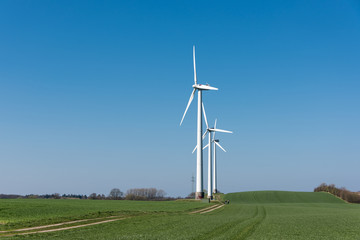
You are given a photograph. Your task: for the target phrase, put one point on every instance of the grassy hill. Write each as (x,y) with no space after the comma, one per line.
(262,197)
(250,215)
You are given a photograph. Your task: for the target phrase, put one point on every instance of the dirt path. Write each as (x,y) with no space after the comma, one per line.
(54,225)
(65,228)
(203,209)
(208,209)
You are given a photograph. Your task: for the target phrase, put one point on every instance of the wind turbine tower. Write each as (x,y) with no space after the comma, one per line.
(199,157)
(215,142)
(211,168)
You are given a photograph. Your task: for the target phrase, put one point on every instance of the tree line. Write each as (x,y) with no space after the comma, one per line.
(115,194)
(56,196)
(133,194)
(343,193)
(145,194)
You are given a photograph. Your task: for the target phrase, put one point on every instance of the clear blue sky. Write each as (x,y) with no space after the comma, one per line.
(92,93)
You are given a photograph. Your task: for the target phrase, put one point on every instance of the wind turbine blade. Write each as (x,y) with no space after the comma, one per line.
(206,132)
(203,108)
(220,130)
(190,100)
(195,79)
(220,146)
(205,146)
(206,87)
(194,149)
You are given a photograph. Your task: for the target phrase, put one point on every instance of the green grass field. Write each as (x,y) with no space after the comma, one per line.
(250,215)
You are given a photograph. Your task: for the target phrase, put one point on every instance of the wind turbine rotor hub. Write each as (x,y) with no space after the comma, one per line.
(204,87)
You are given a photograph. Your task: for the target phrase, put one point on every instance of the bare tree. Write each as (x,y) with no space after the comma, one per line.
(101,196)
(144,194)
(92,196)
(56,196)
(115,194)
(160,193)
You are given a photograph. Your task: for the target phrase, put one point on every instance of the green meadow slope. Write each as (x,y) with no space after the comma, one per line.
(260,197)
(250,215)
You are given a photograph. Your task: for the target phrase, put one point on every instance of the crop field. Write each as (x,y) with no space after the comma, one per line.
(250,215)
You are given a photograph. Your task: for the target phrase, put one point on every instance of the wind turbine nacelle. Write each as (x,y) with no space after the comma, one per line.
(204,87)
(217,140)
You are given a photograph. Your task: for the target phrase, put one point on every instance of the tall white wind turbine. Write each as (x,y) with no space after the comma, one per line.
(216,143)
(209,131)
(199,157)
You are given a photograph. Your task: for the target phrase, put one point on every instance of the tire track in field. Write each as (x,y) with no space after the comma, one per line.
(250,228)
(64,228)
(54,225)
(221,230)
(204,209)
(212,209)
(238,229)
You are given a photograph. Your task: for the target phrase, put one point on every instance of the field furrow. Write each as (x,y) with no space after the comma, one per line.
(251,227)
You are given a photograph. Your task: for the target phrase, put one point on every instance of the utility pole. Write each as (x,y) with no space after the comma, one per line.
(193,182)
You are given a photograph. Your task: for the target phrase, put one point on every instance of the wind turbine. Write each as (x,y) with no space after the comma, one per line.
(209,145)
(199,157)
(215,142)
